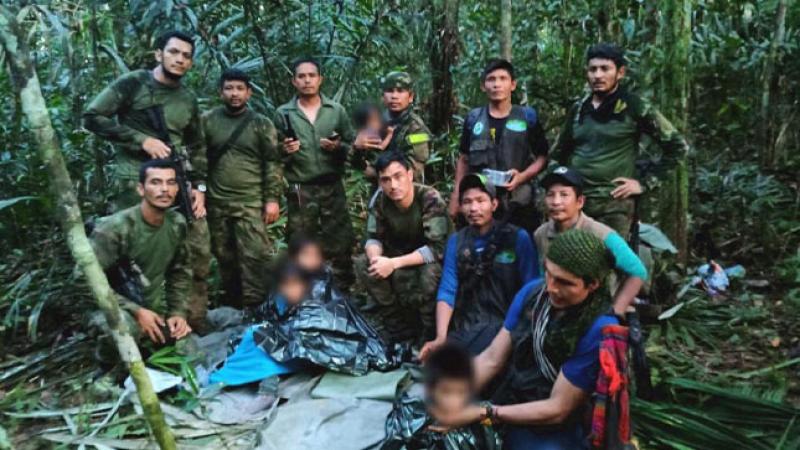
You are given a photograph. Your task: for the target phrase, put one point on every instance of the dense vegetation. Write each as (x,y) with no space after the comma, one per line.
(723,71)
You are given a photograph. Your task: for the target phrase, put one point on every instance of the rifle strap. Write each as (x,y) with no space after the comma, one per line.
(215,153)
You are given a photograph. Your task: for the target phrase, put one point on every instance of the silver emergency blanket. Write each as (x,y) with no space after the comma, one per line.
(325,330)
(407,429)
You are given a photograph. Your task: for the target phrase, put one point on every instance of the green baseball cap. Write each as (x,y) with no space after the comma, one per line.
(400,80)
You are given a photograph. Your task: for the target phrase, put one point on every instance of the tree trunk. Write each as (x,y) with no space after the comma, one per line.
(444,54)
(26,82)
(768,83)
(505,30)
(676,30)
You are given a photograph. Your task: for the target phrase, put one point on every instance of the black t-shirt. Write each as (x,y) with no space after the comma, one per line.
(537,141)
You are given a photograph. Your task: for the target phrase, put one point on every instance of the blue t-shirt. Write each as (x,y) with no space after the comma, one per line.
(582,367)
(527,263)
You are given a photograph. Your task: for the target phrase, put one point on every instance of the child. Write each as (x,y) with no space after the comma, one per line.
(368,119)
(449,387)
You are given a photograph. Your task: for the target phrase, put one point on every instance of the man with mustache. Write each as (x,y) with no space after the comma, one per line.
(316,134)
(601,135)
(507,138)
(244,189)
(152,238)
(405,133)
(485,264)
(121,114)
(407,227)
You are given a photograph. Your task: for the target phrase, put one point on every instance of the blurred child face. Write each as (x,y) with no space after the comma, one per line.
(310,258)
(374,122)
(450,395)
(293,290)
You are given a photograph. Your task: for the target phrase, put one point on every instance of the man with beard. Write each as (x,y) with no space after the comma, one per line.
(122,113)
(600,139)
(405,130)
(244,189)
(152,238)
(317,133)
(503,137)
(407,227)
(485,264)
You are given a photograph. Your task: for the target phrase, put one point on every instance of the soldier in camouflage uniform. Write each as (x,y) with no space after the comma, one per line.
(244,188)
(600,139)
(406,133)
(406,231)
(316,134)
(120,114)
(151,237)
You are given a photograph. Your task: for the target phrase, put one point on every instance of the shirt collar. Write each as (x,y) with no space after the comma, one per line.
(325,101)
(552,231)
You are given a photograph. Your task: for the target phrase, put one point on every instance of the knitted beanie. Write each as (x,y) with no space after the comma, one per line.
(581,253)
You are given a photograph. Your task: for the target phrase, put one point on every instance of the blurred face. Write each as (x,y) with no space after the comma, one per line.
(603,75)
(307,79)
(235,94)
(498,85)
(396,181)
(374,122)
(478,207)
(175,58)
(293,290)
(450,395)
(563,204)
(310,258)
(397,99)
(160,188)
(565,288)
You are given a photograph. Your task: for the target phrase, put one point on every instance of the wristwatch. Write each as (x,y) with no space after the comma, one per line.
(489,413)
(202,187)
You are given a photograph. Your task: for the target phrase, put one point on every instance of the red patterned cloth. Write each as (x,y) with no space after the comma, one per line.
(611,422)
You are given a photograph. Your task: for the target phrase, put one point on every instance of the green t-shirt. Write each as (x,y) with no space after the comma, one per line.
(424,224)
(118,114)
(249,172)
(160,252)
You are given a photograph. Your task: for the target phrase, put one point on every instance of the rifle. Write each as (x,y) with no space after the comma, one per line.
(179,161)
(127,280)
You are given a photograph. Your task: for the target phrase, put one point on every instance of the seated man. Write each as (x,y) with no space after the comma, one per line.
(449,388)
(550,344)
(145,246)
(565,200)
(401,265)
(485,264)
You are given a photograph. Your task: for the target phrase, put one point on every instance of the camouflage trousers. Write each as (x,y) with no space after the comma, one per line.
(123,196)
(401,307)
(617,214)
(242,248)
(320,211)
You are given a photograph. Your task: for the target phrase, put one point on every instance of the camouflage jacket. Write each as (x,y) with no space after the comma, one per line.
(411,137)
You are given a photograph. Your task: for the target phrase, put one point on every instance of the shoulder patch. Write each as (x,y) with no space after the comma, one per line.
(517,125)
(418,138)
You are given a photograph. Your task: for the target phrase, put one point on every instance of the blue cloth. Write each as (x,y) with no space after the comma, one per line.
(582,367)
(248,364)
(531,438)
(527,263)
(626,261)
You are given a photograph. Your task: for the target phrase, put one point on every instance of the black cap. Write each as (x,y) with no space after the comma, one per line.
(563,175)
(476,180)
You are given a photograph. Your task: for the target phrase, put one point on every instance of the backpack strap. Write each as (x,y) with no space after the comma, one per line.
(215,153)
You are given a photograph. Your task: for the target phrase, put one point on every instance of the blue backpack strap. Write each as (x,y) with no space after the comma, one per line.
(531,116)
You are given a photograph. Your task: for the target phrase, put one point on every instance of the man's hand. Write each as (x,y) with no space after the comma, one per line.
(516,180)
(457,419)
(150,324)
(430,347)
(454,207)
(198,203)
(156,148)
(272,211)
(291,145)
(381,267)
(178,328)
(330,145)
(367,141)
(626,187)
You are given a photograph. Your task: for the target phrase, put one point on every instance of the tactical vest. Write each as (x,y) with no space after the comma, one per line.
(542,342)
(512,152)
(487,281)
